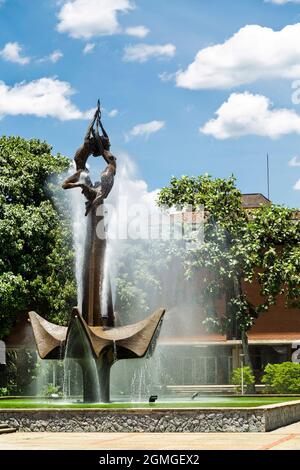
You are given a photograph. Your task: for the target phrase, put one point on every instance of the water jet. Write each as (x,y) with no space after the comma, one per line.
(91,338)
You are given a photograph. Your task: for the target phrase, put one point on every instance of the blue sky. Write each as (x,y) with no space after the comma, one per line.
(163,112)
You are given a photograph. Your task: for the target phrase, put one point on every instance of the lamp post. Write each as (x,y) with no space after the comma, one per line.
(242,372)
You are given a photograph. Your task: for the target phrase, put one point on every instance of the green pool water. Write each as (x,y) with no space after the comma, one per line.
(204,402)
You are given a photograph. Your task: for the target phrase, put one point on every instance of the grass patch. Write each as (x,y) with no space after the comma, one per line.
(211,402)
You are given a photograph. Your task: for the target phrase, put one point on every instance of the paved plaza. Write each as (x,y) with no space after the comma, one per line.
(287,438)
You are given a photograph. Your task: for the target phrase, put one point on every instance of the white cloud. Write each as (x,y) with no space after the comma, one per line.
(253,53)
(54,57)
(113,113)
(144,52)
(138,31)
(145,130)
(246,114)
(166,77)
(295,161)
(282,2)
(46,97)
(297,185)
(139,202)
(88,18)
(89,47)
(12,52)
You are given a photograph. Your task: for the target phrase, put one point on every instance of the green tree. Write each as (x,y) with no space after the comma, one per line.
(244,375)
(237,248)
(141,269)
(36,259)
(282,378)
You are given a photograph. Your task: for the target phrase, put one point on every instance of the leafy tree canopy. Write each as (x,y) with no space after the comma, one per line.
(236,248)
(36,260)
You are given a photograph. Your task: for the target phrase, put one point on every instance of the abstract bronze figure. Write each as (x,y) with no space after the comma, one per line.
(95,194)
(93,144)
(91,332)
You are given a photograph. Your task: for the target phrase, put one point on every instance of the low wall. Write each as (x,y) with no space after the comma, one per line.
(260,419)
(276,416)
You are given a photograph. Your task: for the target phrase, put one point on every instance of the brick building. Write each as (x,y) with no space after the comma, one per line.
(209,358)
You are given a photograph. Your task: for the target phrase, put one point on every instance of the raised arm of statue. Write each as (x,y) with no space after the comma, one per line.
(102,128)
(91,126)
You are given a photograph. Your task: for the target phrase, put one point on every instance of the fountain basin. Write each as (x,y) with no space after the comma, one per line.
(95,348)
(161,417)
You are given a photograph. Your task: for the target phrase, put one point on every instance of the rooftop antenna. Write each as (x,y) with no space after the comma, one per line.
(268,176)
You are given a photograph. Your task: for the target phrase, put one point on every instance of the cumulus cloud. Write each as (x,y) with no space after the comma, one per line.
(54,57)
(138,31)
(89,47)
(166,76)
(137,189)
(246,114)
(282,2)
(88,18)
(45,97)
(143,52)
(113,113)
(295,161)
(253,53)
(12,52)
(297,185)
(145,130)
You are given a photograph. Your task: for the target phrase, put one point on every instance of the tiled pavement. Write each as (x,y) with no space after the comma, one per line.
(281,439)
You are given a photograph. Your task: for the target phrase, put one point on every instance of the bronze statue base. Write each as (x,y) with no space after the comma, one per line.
(95,348)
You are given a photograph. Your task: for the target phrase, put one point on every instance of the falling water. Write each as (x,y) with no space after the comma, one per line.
(67,370)
(105,285)
(115,354)
(141,385)
(137,378)
(77,204)
(77,352)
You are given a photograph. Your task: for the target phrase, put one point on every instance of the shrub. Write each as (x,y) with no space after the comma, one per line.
(248,377)
(282,378)
(3,391)
(51,390)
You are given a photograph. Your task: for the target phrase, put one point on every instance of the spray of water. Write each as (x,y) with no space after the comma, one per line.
(163,285)
(77,205)
(166,287)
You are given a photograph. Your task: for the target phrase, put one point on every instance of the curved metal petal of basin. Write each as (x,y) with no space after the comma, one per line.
(49,337)
(96,349)
(130,341)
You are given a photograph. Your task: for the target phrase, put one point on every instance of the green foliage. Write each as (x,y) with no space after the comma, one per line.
(4,392)
(248,377)
(19,372)
(282,378)
(139,272)
(36,260)
(237,248)
(51,390)
(271,244)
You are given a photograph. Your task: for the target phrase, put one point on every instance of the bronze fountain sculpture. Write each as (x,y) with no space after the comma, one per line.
(92,338)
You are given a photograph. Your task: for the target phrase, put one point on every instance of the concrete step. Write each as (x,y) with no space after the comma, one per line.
(3,425)
(7,430)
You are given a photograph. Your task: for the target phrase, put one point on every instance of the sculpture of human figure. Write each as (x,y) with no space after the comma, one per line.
(93,144)
(97,193)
